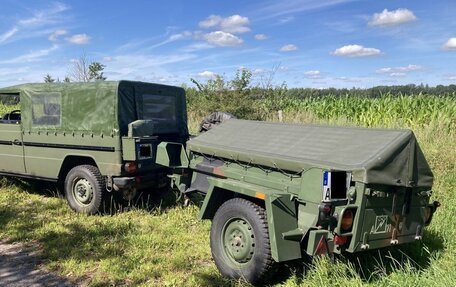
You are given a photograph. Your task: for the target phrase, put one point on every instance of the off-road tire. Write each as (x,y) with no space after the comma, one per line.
(245,213)
(87,176)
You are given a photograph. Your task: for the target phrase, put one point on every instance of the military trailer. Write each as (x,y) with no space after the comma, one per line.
(278,192)
(97,138)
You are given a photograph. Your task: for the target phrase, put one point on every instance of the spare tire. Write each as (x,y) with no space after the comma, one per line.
(213,120)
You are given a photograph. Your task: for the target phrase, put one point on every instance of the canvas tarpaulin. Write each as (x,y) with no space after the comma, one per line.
(101,107)
(376,156)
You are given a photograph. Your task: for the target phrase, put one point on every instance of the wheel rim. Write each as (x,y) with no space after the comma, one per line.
(238,241)
(83,191)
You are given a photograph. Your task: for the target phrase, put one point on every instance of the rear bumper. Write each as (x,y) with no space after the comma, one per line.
(156,180)
(381,243)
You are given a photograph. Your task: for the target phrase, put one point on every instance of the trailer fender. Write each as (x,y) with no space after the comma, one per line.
(281,212)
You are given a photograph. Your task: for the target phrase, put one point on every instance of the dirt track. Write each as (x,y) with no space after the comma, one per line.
(20,266)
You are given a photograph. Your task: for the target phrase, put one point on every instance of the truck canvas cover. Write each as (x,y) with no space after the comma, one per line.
(374,156)
(101,107)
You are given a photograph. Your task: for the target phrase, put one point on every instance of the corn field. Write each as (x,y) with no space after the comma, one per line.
(388,110)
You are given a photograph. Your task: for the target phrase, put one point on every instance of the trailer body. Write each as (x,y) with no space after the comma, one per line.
(324,189)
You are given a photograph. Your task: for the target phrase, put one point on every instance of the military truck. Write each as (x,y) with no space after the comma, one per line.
(98,139)
(278,192)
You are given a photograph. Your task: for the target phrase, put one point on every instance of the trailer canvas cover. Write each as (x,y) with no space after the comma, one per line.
(374,156)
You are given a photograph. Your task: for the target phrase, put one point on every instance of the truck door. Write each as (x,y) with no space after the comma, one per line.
(11,148)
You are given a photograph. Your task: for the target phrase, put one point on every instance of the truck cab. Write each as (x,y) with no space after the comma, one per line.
(97,138)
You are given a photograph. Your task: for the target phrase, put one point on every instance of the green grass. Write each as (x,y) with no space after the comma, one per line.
(163,244)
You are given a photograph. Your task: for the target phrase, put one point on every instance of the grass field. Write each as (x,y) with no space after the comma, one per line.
(161,243)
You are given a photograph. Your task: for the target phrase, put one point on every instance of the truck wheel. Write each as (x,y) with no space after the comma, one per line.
(84,187)
(240,241)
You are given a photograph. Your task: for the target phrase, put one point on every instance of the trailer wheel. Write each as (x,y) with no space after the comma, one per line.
(84,186)
(240,241)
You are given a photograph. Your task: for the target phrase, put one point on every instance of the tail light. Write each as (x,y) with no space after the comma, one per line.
(347,220)
(340,240)
(130,167)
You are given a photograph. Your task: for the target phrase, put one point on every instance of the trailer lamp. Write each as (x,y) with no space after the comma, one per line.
(340,240)
(347,220)
(130,167)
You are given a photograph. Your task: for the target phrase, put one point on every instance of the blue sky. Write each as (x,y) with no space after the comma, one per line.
(307,43)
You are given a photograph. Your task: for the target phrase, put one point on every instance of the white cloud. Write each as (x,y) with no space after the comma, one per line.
(56,34)
(36,25)
(207,74)
(280,8)
(398,74)
(289,48)
(397,71)
(147,67)
(258,71)
(449,45)
(392,18)
(8,34)
(450,77)
(47,16)
(211,21)
(313,74)
(286,20)
(355,51)
(261,37)
(79,39)
(197,47)
(31,57)
(348,79)
(234,24)
(224,39)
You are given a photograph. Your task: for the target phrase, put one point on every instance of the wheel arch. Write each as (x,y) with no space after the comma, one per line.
(71,161)
(216,196)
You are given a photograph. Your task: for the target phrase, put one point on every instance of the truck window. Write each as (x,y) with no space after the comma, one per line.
(10,109)
(46,109)
(160,109)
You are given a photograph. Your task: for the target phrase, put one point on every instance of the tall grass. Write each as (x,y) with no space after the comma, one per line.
(167,246)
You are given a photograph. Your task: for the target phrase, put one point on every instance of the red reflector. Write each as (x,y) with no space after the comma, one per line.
(326,209)
(322,247)
(138,179)
(340,240)
(130,167)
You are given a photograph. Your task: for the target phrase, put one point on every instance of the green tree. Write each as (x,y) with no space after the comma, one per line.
(96,71)
(48,79)
(221,94)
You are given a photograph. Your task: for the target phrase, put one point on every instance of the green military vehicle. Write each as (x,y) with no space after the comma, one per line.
(278,192)
(274,192)
(97,138)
